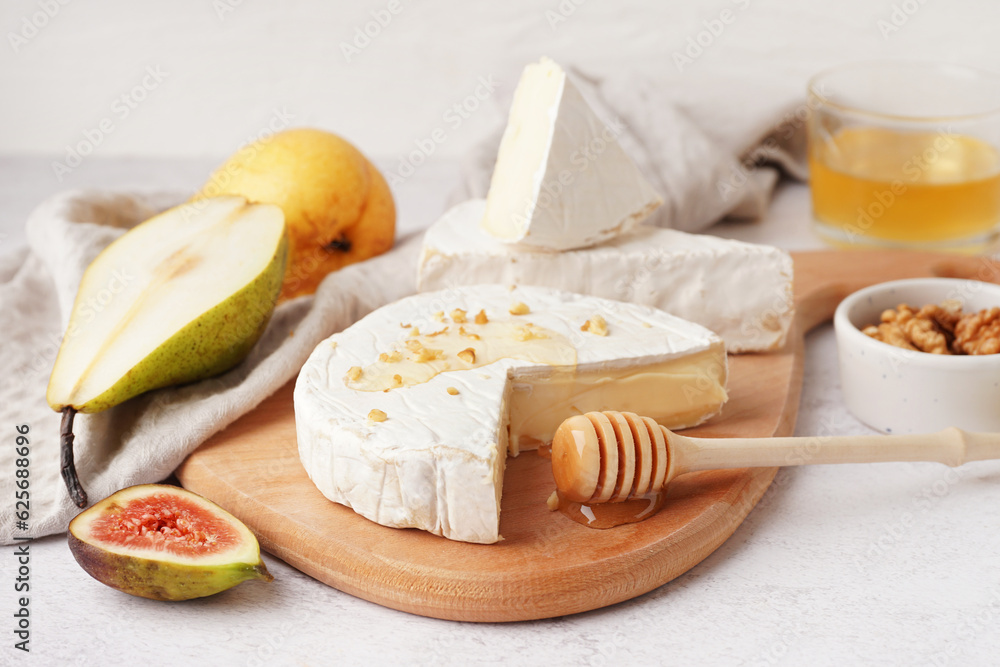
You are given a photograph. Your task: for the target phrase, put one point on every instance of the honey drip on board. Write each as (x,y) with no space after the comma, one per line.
(604,515)
(609,515)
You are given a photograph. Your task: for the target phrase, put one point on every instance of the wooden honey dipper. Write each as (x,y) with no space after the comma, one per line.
(609,456)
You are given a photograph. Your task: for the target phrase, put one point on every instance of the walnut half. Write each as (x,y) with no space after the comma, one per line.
(939,329)
(978,333)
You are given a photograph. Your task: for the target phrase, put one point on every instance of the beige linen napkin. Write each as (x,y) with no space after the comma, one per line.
(708,161)
(146,438)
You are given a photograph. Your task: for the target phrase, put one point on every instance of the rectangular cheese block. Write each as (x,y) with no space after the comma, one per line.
(741,291)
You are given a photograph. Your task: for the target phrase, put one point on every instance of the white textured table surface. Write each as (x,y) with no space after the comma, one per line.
(877,564)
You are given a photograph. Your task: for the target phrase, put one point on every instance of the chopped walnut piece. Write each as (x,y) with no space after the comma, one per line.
(414,345)
(900,315)
(354,373)
(377,415)
(911,329)
(439,316)
(979,333)
(437,333)
(463,332)
(415,331)
(397,380)
(519,308)
(481,317)
(946,315)
(453,391)
(596,325)
(890,333)
(468,355)
(426,354)
(528,332)
(458,316)
(391,357)
(552,502)
(926,336)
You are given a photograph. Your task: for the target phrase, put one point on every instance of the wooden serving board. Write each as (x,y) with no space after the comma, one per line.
(546,564)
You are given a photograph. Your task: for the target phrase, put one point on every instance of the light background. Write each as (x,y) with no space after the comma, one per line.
(230,63)
(805,580)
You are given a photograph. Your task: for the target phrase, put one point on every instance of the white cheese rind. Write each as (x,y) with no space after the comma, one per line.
(436,462)
(561,179)
(741,291)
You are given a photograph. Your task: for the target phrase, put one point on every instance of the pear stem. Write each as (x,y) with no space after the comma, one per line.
(66,438)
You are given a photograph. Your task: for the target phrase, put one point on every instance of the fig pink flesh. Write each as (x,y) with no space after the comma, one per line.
(175,525)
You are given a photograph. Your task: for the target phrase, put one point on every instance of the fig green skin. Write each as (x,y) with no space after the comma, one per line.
(161,580)
(210,345)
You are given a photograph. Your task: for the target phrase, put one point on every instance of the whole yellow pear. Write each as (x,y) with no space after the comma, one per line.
(338,207)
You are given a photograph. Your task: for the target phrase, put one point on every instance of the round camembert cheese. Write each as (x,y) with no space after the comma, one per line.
(408,415)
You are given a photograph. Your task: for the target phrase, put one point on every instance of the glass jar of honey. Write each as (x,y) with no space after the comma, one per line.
(905,155)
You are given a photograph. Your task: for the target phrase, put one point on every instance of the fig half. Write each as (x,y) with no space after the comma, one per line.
(165,543)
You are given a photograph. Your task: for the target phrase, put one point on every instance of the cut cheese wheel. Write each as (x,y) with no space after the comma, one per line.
(434,458)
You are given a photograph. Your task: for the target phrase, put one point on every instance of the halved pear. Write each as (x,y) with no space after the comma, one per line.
(181,297)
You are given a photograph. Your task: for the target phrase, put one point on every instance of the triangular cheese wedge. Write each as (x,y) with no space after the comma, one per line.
(561,179)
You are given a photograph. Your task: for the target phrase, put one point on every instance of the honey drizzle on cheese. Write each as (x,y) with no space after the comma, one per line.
(417,359)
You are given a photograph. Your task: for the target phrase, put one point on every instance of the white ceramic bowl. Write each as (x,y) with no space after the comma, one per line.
(905,391)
